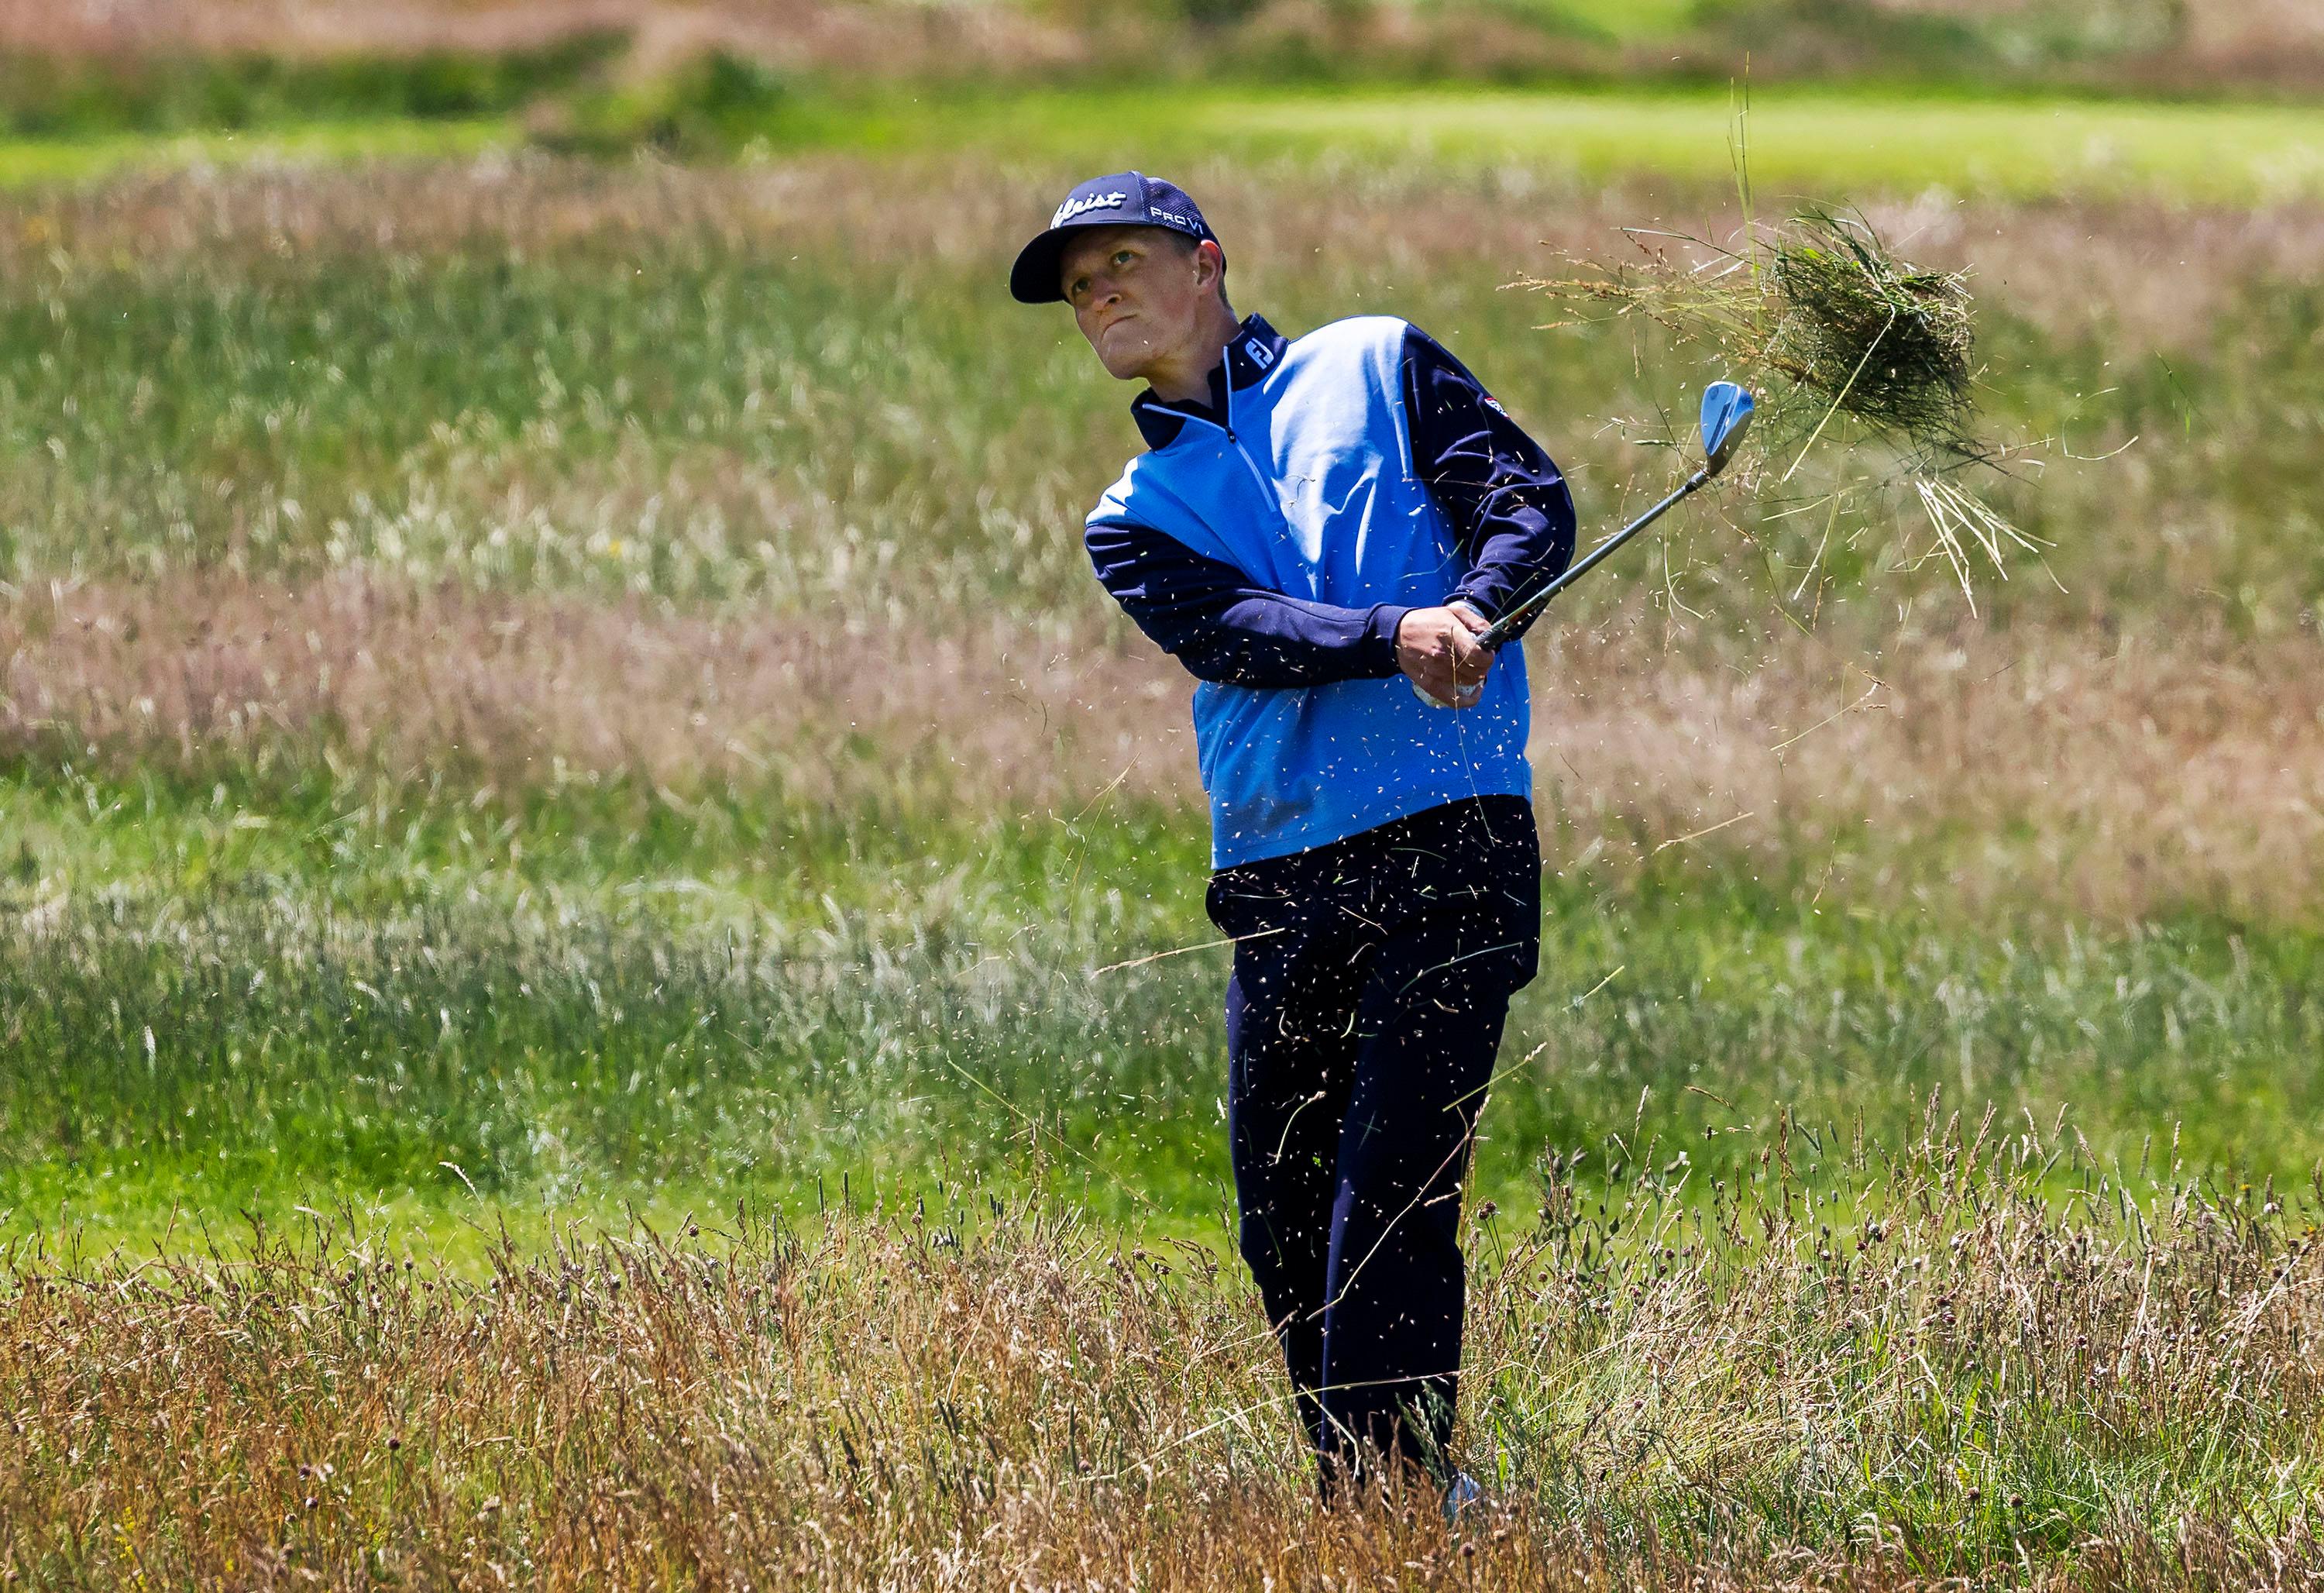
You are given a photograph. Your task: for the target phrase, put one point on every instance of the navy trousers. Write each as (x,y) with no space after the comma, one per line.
(1371,977)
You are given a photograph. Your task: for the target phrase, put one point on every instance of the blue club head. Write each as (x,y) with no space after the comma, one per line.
(1726,417)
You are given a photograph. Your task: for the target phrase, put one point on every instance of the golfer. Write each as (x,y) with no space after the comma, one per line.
(1317,526)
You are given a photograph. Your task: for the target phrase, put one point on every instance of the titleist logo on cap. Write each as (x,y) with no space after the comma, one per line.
(1096,201)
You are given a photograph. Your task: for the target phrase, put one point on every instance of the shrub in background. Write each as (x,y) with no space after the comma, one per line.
(714,102)
(45,98)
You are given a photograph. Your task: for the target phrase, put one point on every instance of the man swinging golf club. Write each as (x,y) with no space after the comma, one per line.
(1312,519)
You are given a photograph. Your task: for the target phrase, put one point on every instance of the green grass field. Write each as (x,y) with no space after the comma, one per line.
(254,1004)
(494,435)
(600,947)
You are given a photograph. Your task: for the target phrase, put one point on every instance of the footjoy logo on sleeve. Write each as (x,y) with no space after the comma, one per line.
(1096,201)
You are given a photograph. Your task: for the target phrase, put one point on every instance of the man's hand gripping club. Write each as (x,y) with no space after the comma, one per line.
(1438,652)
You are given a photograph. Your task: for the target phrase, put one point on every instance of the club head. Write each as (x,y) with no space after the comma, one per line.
(1726,417)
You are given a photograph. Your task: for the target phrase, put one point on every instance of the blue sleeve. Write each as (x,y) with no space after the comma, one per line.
(1210,617)
(1503,495)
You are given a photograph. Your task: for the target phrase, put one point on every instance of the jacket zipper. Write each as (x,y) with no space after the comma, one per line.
(1257,474)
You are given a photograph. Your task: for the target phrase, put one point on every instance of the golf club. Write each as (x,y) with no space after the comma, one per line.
(1726,417)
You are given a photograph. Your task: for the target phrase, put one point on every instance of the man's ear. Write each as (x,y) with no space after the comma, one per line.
(1209,265)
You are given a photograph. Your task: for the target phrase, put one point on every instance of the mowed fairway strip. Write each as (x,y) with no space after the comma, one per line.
(30,162)
(1825,143)
(1830,143)
(1833,145)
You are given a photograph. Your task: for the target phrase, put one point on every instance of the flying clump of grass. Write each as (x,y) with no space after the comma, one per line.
(1883,341)
(1842,339)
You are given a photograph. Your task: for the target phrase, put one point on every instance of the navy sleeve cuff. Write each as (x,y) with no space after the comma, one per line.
(1380,638)
(1210,617)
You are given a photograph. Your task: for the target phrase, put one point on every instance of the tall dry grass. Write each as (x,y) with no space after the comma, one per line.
(1916,1371)
(767,571)
(2144,275)
(763,414)
(2156,776)
(2217,42)
(795,385)
(884,39)
(2217,30)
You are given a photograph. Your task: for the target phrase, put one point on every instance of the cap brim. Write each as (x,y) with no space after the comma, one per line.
(1033,280)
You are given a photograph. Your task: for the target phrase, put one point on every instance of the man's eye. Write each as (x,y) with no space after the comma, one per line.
(1124,257)
(1080,286)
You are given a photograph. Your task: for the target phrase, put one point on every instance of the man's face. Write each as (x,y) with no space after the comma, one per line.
(1136,293)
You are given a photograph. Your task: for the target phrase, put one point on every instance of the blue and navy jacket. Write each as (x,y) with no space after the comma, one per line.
(1272,541)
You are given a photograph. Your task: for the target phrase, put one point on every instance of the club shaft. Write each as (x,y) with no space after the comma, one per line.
(1499,630)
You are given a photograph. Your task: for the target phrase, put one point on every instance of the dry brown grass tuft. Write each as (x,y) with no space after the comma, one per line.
(1767,1389)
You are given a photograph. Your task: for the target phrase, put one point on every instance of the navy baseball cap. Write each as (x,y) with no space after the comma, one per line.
(1125,198)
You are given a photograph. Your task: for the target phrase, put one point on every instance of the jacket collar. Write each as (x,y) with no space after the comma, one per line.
(1257,349)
